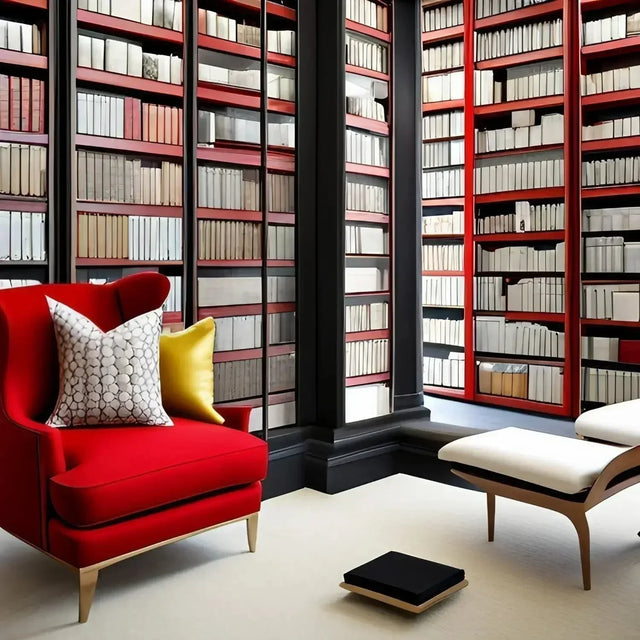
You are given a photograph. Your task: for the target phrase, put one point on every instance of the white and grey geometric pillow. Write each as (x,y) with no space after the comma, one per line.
(107,378)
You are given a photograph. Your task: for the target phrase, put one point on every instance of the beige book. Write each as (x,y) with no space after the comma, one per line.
(43,171)
(90,176)
(166,182)
(109,248)
(92,231)
(248,241)
(24,170)
(83,240)
(5,168)
(81,157)
(102,236)
(34,171)
(125,236)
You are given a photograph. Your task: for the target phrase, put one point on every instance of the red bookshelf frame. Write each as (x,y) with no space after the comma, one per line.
(119,26)
(20,59)
(138,147)
(108,80)
(33,4)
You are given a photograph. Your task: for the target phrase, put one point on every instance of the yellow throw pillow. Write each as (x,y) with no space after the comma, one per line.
(186,372)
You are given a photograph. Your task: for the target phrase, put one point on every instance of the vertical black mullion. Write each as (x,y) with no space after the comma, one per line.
(306,214)
(264,188)
(407,321)
(61,172)
(190,163)
(330,232)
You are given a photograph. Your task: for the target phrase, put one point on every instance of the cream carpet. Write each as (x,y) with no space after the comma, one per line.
(525,585)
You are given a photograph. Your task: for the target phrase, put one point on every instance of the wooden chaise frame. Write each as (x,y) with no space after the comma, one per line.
(622,472)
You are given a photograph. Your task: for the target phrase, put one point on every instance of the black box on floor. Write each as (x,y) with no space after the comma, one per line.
(407,578)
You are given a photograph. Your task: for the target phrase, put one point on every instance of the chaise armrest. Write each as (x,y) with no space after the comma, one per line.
(236,417)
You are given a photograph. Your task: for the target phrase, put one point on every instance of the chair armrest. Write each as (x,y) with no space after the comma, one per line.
(236,417)
(30,454)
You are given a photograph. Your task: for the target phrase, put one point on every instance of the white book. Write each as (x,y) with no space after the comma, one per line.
(146,11)
(115,56)
(84,51)
(98,53)
(127,9)
(16,235)
(5,235)
(134,60)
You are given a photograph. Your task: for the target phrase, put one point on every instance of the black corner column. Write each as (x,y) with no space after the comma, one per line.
(190,164)
(407,136)
(61,174)
(330,245)
(306,214)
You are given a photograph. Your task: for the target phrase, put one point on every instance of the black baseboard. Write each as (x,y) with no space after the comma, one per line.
(332,461)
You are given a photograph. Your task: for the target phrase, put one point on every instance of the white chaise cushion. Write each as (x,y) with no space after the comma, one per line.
(614,423)
(563,464)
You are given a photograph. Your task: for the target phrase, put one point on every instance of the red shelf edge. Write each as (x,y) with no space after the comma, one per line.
(93,19)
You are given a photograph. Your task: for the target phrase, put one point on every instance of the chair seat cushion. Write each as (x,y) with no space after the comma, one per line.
(614,423)
(114,473)
(562,464)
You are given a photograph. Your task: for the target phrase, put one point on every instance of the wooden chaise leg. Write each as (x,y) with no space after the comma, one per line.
(252,531)
(582,527)
(491,514)
(87,588)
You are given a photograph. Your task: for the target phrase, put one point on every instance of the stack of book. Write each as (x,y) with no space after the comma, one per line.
(369,13)
(366,357)
(442,17)
(444,372)
(365,239)
(18,36)
(23,236)
(366,317)
(527,217)
(159,13)
(443,291)
(366,148)
(486,8)
(366,193)
(444,331)
(369,54)
(444,224)
(495,335)
(521,258)
(442,257)
(23,169)
(22,106)
(611,171)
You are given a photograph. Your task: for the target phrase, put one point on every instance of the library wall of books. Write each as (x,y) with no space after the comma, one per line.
(518,263)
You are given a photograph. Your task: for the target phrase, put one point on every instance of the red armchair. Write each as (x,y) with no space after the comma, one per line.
(90,497)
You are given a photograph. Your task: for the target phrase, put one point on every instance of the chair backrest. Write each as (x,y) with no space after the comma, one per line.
(28,352)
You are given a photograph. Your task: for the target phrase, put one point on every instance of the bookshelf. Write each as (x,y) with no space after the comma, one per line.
(610,201)
(25,224)
(246,201)
(368,220)
(498,325)
(128,144)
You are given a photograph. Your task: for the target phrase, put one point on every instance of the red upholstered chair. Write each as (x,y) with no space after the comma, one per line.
(90,497)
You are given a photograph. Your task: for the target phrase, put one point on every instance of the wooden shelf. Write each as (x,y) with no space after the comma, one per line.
(375,378)
(443,236)
(367,31)
(443,273)
(22,203)
(375,334)
(521,404)
(23,263)
(445,105)
(369,73)
(245,263)
(251,354)
(367,170)
(274,399)
(517,16)
(367,294)
(614,48)
(529,236)
(368,124)
(119,80)
(611,192)
(247,156)
(517,152)
(126,209)
(550,193)
(612,144)
(363,216)
(507,358)
(119,26)
(449,392)
(519,105)
(129,146)
(31,4)
(620,324)
(123,262)
(507,62)
(612,99)
(245,310)
(23,137)
(273,8)
(444,202)
(240,49)
(239,97)
(440,35)
(19,59)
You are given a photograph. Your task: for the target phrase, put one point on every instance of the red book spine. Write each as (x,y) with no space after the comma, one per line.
(25,111)
(14,108)
(145,122)
(43,112)
(180,126)
(137,119)
(36,114)
(161,133)
(128,118)
(4,102)
(153,123)
(629,351)
(167,125)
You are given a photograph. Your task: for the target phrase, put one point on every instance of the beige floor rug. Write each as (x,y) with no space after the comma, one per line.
(525,585)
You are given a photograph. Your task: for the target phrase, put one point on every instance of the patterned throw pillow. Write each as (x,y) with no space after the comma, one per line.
(107,378)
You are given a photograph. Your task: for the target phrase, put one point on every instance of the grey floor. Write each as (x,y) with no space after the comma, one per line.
(465,414)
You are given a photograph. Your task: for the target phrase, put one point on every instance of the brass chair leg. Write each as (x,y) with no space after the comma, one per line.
(491,514)
(252,531)
(87,589)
